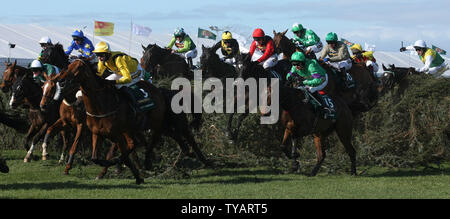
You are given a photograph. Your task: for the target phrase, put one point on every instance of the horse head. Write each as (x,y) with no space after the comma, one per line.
(283,44)
(25,89)
(55,55)
(10,75)
(151,57)
(50,91)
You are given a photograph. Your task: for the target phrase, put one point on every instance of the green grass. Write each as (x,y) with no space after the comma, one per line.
(44,179)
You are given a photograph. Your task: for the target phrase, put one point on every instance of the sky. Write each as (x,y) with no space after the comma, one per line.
(377,22)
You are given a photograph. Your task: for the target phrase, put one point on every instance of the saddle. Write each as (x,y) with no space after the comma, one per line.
(323,105)
(140,99)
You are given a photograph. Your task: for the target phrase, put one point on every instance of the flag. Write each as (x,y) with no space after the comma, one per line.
(206,34)
(103,28)
(368,47)
(348,43)
(439,50)
(141,30)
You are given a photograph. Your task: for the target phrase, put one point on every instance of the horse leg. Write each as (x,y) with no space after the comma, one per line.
(73,149)
(149,153)
(31,132)
(345,136)
(109,155)
(63,133)
(56,125)
(320,154)
(191,141)
(127,147)
(38,137)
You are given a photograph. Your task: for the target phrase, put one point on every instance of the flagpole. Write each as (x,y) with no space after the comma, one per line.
(93,34)
(131,35)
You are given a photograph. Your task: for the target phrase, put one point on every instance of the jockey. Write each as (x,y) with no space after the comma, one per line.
(315,79)
(81,44)
(125,69)
(44,42)
(306,39)
(229,48)
(185,46)
(39,69)
(338,56)
(262,49)
(359,55)
(433,62)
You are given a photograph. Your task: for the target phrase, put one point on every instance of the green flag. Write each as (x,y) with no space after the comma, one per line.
(438,50)
(206,34)
(348,43)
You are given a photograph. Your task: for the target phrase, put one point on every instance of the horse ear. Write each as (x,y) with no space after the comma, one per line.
(384,67)
(15,62)
(46,76)
(274,33)
(284,33)
(203,47)
(143,47)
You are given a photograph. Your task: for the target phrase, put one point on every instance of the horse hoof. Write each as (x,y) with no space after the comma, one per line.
(98,177)
(139,181)
(26,160)
(44,157)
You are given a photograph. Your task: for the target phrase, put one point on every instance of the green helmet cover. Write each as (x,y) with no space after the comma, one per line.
(298,57)
(331,37)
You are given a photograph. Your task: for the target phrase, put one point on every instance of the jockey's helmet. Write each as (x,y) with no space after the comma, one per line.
(331,37)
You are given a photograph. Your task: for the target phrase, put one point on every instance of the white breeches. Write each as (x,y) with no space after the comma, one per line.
(135,77)
(189,54)
(373,64)
(315,48)
(347,64)
(270,62)
(320,87)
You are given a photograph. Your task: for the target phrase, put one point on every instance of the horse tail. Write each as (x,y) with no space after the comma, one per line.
(17,124)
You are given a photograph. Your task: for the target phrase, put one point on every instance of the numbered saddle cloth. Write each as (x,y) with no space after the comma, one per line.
(143,99)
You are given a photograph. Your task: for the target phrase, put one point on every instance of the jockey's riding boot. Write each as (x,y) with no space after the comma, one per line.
(126,91)
(191,65)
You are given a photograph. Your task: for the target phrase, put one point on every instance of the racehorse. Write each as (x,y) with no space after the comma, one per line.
(212,66)
(55,55)
(72,115)
(247,70)
(395,76)
(162,63)
(108,115)
(361,98)
(3,166)
(11,73)
(26,92)
(300,120)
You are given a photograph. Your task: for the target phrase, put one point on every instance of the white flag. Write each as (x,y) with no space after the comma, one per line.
(141,30)
(368,47)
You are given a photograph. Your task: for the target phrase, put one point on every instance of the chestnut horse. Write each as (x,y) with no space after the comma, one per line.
(300,120)
(162,63)
(109,115)
(26,92)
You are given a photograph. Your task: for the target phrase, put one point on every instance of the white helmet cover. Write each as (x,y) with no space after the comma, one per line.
(36,64)
(420,43)
(45,39)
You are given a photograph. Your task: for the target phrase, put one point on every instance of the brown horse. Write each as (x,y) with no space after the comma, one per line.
(212,66)
(72,115)
(162,63)
(393,76)
(300,120)
(11,73)
(26,92)
(361,98)
(109,114)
